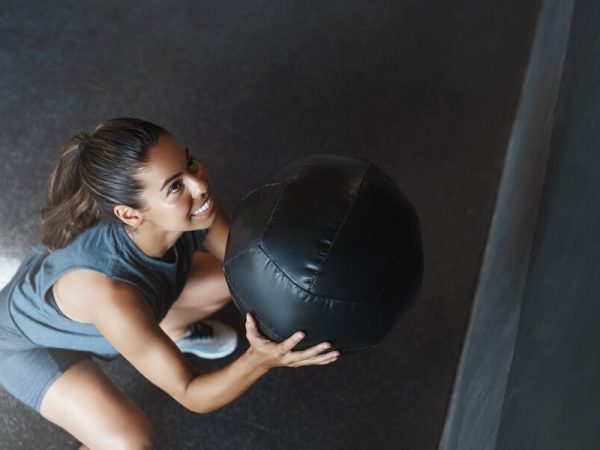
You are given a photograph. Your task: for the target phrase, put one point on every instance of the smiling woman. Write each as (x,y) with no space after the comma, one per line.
(117,272)
(176,187)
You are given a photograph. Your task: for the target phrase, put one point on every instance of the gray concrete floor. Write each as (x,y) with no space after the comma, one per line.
(426,90)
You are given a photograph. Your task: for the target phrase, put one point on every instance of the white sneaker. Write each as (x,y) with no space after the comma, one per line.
(208,339)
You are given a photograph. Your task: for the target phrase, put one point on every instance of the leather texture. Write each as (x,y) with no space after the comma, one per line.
(326,244)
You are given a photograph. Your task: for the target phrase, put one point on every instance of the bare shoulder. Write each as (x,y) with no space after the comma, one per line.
(78,292)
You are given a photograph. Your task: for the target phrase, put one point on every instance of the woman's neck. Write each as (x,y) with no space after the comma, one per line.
(154,244)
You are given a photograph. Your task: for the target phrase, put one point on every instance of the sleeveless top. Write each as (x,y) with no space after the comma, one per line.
(105,249)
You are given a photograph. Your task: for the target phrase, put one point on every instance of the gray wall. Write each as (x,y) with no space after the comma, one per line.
(552,400)
(529,368)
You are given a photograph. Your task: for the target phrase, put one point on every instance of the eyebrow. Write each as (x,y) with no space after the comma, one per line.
(171,178)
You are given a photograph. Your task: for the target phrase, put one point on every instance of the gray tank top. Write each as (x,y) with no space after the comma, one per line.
(105,249)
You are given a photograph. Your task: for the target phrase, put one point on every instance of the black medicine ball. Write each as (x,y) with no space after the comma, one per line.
(329,245)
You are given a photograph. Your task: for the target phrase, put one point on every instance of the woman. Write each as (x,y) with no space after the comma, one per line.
(116,273)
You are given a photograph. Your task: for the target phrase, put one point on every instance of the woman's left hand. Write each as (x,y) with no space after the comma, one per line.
(273,354)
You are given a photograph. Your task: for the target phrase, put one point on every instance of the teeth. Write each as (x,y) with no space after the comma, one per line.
(203,208)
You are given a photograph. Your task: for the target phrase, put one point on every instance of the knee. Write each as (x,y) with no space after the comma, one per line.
(137,437)
(222,294)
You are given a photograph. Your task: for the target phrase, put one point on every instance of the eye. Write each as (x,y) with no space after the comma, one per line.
(175,187)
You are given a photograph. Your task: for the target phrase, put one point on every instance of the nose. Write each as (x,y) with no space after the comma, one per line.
(197,186)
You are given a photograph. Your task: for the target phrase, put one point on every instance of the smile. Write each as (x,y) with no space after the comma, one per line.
(205,206)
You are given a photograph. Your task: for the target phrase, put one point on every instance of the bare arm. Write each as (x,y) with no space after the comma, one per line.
(228,383)
(124,317)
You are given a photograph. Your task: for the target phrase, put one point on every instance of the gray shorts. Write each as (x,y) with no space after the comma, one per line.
(27,370)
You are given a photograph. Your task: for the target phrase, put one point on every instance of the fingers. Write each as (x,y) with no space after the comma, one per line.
(287,345)
(283,347)
(250,324)
(313,355)
(284,350)
(252,329)
(326,358)
(312,351)
(321,359)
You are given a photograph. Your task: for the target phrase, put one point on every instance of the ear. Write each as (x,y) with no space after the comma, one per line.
(128,215)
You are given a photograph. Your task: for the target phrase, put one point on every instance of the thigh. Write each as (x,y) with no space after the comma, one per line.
(26,372)
(85,403)
(205,285)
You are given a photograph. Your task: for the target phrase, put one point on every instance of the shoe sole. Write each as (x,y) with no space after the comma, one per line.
(213,355)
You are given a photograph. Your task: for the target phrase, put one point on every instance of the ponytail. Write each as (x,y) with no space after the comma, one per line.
(94,173)
(69,208)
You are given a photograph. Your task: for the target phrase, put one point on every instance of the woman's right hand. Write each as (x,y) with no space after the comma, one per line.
(273,354)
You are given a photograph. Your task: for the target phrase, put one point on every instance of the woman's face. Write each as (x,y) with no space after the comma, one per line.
(176,192)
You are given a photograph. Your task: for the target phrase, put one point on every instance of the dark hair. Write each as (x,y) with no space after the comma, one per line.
(94,173)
